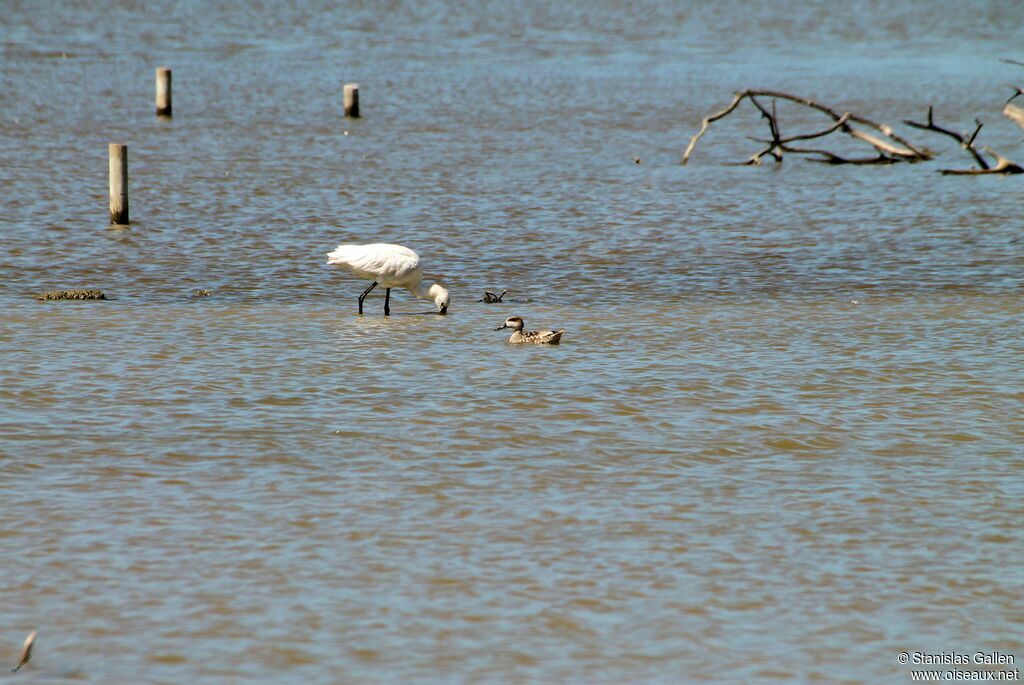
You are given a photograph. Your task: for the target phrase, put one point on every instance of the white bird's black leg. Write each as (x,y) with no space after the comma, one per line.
(387,302)
(365,293)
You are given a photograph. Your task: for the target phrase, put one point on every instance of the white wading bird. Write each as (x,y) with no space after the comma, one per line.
(390,266)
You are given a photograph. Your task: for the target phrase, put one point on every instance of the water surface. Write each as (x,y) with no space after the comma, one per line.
(781,440)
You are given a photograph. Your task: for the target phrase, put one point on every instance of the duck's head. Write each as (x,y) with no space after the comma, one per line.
(515,322)
(439,294)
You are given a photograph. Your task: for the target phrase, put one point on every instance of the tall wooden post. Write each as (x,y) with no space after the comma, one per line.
(352,100)
(163,91)
(118,183)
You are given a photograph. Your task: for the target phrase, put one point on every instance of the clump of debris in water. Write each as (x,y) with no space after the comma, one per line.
(72,295)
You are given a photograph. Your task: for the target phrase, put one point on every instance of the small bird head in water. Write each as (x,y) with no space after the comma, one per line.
(440,296)
(515,322)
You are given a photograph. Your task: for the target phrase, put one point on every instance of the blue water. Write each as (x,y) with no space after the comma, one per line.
(781,439)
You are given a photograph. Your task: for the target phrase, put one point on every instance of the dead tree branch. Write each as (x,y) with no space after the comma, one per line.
(1014,113)
(711,119)
(832,158)
(1003,166)
(774,128)
(892,145)
(782,144)
(965,142)
(902,148)
(840,122)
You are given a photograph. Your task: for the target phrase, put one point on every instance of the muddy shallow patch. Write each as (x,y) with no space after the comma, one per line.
(71,295)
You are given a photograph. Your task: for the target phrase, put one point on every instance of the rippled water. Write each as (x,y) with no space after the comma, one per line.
(781,440)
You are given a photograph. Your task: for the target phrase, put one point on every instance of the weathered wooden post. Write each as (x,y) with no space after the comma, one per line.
(163,91)
(118,183)
(352,100)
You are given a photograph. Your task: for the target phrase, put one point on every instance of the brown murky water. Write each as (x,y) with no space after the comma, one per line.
(781,441)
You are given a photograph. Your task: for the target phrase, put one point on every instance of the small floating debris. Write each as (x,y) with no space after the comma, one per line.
(491,298)
(72,295)
(202,293)
(26,651)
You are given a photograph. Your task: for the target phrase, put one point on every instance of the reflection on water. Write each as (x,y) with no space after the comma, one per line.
(786,398)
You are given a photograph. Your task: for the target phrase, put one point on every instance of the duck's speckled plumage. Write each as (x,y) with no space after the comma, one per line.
(520,337)
(537,337)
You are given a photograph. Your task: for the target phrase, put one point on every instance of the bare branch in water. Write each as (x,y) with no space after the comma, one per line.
(709,120)
(1014,113)
(891,146)
(1003,166)
(827,157)
(965,143)
(783,145)
(773,126)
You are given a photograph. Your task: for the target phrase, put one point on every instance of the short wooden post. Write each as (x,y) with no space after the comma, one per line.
(352,100)
(163,91)
(118,184)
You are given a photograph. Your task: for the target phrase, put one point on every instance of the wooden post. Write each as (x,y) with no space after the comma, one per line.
(352,100)
(163,91)
(118,184)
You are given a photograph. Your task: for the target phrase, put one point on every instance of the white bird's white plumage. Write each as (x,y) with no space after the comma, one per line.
(391,266)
